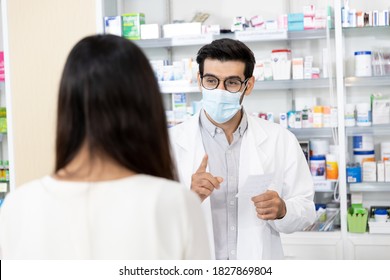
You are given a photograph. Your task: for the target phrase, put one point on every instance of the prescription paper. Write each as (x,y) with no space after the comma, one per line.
(256,185)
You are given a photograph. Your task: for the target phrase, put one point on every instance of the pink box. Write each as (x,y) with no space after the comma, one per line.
(1,66)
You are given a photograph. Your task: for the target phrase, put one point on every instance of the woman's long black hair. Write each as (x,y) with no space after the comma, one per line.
(109,98)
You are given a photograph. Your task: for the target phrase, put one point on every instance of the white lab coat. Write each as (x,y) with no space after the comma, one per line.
(266,148)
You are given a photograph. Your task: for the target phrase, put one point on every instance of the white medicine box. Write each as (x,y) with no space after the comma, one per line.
(113,25)
(281,64)
(150,31)
(181,29)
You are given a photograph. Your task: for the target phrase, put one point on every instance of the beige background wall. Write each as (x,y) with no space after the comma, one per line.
(41,34)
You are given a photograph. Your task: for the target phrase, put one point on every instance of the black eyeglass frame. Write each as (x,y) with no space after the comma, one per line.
(224,82)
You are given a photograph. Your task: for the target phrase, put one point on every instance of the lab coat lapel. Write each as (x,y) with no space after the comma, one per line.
(190,157)
(191,149)
(252,156)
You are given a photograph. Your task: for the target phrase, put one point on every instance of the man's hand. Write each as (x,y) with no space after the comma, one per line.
(269,206)
(202,182)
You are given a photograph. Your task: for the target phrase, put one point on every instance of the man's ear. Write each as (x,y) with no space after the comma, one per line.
(250,85)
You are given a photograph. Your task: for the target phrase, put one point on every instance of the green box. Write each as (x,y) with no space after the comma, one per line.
(131,25)
(357,220)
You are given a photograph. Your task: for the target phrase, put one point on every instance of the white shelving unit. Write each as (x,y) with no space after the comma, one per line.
(301,245)
(6,145)
(357,90)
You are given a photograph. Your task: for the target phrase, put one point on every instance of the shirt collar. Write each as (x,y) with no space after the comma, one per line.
(213,130)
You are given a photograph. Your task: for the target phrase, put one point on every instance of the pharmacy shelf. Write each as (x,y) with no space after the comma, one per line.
(367,81)
(324,186)
(292,84)
(245,36)
(376,31)
(369,238)
(379,130)
(325,237)
(308,34)
(370,187)
(167,87)
(305,133)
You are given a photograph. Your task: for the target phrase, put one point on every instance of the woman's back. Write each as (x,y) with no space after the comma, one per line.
(137,217)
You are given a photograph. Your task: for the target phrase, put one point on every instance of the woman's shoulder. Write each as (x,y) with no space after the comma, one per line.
(24,194)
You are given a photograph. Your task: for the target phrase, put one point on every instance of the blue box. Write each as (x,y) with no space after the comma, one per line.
(295,26)
(295,17)
(354,174)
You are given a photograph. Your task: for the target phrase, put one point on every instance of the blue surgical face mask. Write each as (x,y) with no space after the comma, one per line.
(220,104)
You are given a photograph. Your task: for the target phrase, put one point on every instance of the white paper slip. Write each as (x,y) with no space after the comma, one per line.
(255,185)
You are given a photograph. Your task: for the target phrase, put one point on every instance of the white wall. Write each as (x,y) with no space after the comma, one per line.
(41,34)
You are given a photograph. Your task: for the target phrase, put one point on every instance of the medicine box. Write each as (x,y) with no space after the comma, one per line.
(295,22)
(131,25)
(2,77)
(281,64)
(113,25)
(297,17)
(182,29)
(297,68)
(354,174)
(378,227)
(150,31)
(3,187)
(380,111)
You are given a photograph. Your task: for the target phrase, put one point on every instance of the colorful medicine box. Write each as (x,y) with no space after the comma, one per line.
(113,25)
(131,25)
(295,22)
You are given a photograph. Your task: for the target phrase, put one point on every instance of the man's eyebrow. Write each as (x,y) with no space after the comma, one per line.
(228,77)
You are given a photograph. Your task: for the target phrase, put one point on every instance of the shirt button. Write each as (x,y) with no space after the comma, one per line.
(219,130)
(233,252)
(232,228)
(232,202)
(228,152)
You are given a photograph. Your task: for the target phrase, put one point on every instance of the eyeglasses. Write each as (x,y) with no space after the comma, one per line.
(232,85)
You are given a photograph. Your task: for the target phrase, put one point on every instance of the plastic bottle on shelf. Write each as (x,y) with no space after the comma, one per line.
(332,170)
(363,64)
(319,147)
(363,142)
(363,156)
(318,167)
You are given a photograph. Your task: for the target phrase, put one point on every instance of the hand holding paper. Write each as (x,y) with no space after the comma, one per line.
(269,206)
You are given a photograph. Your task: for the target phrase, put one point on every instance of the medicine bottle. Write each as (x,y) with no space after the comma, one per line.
(332,170)
(363,64)
(317,167)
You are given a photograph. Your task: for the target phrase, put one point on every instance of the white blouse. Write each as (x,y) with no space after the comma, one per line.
(137,217)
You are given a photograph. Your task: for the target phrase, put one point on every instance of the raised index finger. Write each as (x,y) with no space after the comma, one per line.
(203,165)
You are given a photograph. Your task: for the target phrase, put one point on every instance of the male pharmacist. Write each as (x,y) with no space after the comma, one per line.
(250,174)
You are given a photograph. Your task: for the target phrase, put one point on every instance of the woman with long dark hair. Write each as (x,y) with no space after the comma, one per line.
(112,194)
